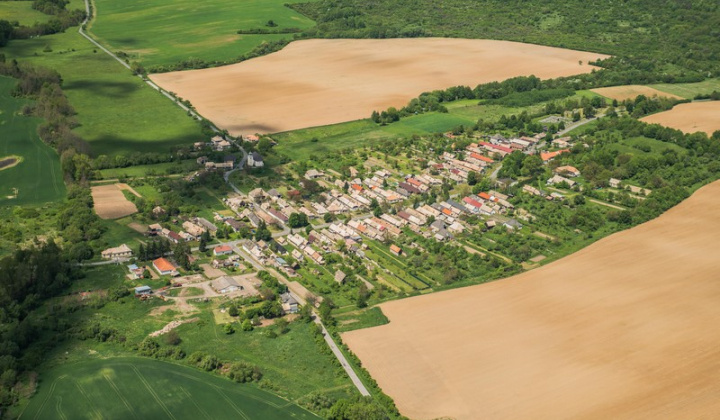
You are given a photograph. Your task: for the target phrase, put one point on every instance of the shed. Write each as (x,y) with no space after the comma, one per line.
(143,290)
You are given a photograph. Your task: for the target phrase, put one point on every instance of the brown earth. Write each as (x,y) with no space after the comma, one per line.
(110,203)
(690,118)
(623,329)
(631,92)
(9,162)
(326,81)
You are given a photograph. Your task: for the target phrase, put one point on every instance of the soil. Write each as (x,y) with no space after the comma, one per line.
(327,81)
(631,92)
(690,118)
(110,203)
(623,329)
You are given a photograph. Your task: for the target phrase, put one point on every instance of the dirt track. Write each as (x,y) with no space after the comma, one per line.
(318,82)
(624,329)
(631,92)
(689,118)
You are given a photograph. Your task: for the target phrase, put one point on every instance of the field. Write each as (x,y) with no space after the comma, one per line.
(148,30)
(621,329)
(689,118)
(150,389)
(118,114)
(690,90)
(37,177)
(631,91)
(320,82)
(110,202)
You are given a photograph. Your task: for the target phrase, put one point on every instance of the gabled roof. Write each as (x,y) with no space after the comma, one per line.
(163,264)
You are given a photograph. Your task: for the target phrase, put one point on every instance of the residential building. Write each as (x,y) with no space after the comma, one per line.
(122,251)
(222,250)
(164,267)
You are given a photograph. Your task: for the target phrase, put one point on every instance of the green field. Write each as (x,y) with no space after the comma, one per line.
(690,90)
(22,12)
(121,388)
(158,32)
(118,113)
(38,177)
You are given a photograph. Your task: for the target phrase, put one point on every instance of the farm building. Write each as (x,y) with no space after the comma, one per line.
(225,284)
(222,250)
(122,251)
(289,304)
(142,290)
(164,267)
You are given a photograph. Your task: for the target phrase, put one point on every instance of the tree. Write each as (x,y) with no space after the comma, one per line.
(181,252)
(264,145)
(297,220)
(262,233)
(172,338)
(203,244)
(282,325)
(472,178)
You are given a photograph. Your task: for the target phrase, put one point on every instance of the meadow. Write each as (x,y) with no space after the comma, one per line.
(690,90)
(145,388)
(38,177)
(118,113)
(156,32)
(21,12)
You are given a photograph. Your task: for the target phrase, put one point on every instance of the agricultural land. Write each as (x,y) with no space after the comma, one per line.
(275,209)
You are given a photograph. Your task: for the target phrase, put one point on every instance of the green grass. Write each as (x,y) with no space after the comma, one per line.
(38,177)
(356,320)
(689,90)
(22,12)
(144,388)
(154,169)
(118,113)
(157,32)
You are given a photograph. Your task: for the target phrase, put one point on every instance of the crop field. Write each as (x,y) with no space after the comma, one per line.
(690,90)
(150,389)
(37,177)
(320,82)
(22,12)
(118,114)
(621,329)
(158,32)
(111,203)
(690,118)
(631,92)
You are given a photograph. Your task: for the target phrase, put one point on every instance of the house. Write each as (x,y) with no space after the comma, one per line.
(158,211)
(512,224)
(251,138)
(136,272)
(557,179)
(614,183)
(567,171)
(340,277)
(193,229)
(222,250)
(532,190)
(257,195)
(395,250)
(255,160)
(234,224)
(225,284)
(202,160)
(154,229)
(143,290)
(164,267)
(218,143)
(289,304)
(122,251)
(548,156)
(206,224)
(314,174)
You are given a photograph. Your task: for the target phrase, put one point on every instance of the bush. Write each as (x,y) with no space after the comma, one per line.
(172,338)
(243,372)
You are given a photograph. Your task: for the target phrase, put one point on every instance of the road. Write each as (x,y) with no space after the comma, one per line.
(576,125)
(341,357)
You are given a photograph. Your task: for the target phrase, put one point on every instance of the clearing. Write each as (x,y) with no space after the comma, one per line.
(111,203)
(622,329)
(631,92)
(150,389)
(689,118)
(319,82)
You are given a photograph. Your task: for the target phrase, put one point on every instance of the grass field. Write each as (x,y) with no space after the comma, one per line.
(118,114)
(38,177)
(150,389)
(148,30)
(22,12)
(690,90)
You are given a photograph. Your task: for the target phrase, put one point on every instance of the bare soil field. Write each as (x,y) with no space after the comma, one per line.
(326,81)
(631,92)
(623,329)
(690,118)
(110,203)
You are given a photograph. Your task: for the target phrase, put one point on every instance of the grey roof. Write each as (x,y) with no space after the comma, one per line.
(438,224)
(456,205)
(224,282)
(288,298)
(256,157)
(141,289)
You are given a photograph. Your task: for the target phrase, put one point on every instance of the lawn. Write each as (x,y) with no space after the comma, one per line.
(690,90)
(158,32)
(22,12)
(150,389)
(38,176)
(118,113)
(154,169)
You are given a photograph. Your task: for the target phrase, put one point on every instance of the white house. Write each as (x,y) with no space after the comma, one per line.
(255,160)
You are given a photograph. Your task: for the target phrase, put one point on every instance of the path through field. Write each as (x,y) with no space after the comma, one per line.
(326,81)
(624,329)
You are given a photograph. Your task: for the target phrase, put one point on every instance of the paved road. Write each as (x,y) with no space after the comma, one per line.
(576,125)
(341,357)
